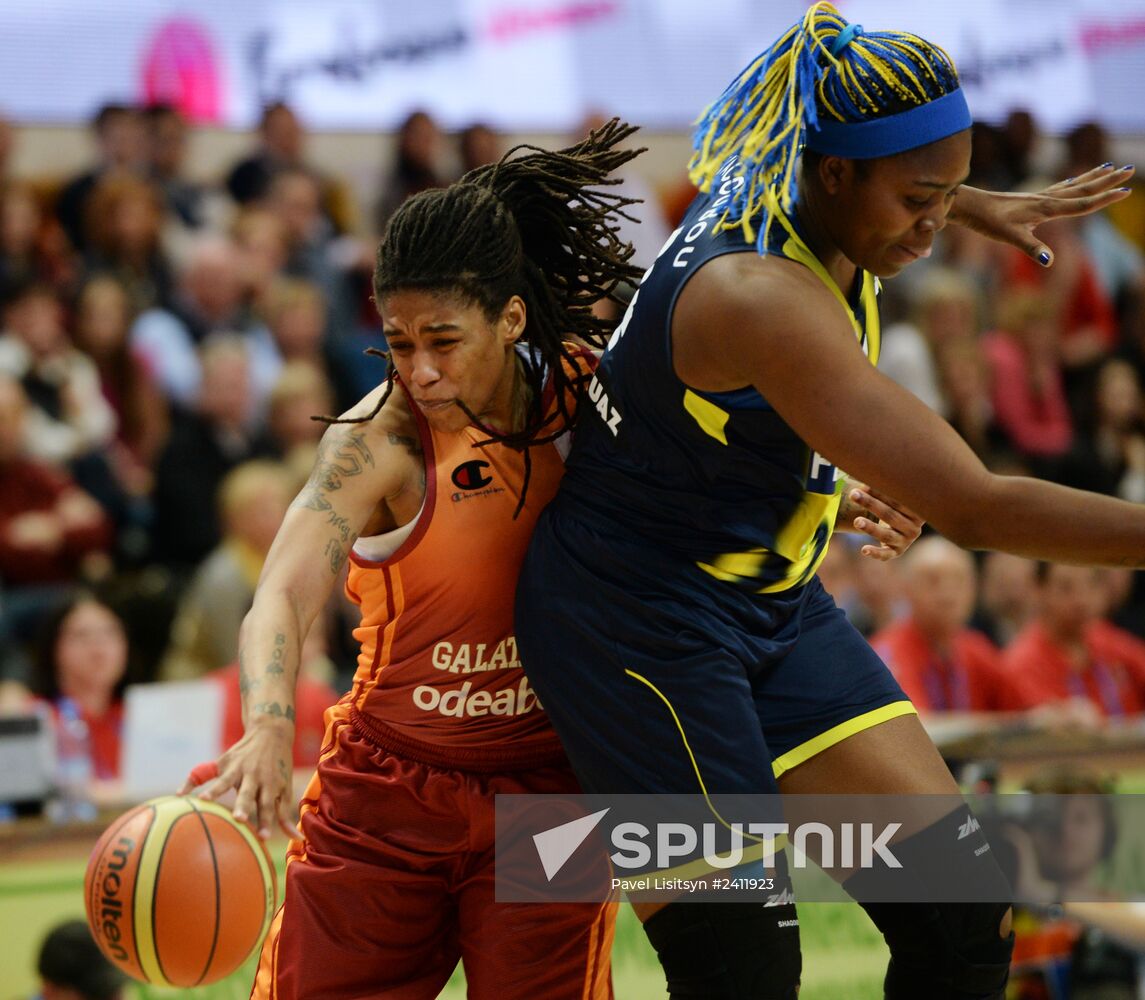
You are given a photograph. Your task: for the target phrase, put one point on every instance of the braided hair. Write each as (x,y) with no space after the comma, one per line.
(821,66)
(540,225)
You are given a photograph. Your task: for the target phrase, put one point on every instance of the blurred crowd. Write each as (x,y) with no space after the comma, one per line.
(165,344)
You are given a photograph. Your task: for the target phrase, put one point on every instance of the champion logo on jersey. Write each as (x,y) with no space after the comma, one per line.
(469,475)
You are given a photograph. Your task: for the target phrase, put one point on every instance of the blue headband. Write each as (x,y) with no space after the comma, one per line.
(920,126)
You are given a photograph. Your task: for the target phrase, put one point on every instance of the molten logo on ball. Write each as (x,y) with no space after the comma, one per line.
(111,905)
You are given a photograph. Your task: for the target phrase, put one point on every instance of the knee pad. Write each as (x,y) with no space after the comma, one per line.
(948,861)
(941,947)
(728,951)
(944,951)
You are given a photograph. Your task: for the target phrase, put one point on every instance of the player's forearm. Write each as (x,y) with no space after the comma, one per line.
(1042,520)
(270,644)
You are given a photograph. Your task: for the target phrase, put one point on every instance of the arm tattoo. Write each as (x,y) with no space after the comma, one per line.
(341,524)
(339,457)
(336,554)
(273,708)
(275,666)
(246,682)
(412,445)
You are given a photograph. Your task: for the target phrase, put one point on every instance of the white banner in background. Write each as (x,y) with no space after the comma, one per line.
(529,64)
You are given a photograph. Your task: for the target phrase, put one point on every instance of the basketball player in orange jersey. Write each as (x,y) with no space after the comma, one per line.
(431,486)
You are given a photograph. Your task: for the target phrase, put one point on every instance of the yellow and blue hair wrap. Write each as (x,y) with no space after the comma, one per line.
(831,87)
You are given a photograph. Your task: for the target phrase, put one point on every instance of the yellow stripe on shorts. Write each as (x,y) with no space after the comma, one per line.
(824,741)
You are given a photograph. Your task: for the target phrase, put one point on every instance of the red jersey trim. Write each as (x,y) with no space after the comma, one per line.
(426,514)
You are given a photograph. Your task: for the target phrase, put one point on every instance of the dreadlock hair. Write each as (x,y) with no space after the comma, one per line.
(821,66)
(536,225)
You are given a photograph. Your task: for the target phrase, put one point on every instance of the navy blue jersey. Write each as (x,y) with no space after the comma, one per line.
(715,478)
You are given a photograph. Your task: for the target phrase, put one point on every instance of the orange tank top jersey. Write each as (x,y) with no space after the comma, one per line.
(438,673)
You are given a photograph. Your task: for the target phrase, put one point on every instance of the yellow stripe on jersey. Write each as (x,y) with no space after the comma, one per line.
(800,543)
(803,540)
(711,418)
(870,300)
(733,566)
(794,540)
(868,333)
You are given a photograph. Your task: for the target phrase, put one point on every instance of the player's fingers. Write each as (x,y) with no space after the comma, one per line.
(880,553)
(879,510)
(269,797)
(868,527)
(1037,251)
(1051,207)
(1086,183)
(200,774)
(212,790)
(287,822)
(1101,170)
(1092,181)
(226,778)
(895,505)
(883,533)
(246,801)
(888,511)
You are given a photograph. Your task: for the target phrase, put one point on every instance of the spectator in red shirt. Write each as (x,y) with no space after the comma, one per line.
(83,657)
(942,665)
(1069,654)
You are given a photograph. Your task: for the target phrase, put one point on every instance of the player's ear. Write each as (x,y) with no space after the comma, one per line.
(512,322)
(835,172)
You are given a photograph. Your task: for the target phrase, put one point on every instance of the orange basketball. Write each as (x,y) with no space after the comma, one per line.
(178,893)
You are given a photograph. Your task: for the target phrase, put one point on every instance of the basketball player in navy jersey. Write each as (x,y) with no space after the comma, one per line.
(668,613)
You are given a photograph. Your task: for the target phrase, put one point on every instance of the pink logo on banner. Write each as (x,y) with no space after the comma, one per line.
(179,67)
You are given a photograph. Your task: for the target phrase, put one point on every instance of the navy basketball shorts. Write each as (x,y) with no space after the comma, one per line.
(659,678)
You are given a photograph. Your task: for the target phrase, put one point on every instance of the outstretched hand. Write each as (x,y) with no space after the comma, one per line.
(1012,216)
(257,767)
(894,526)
